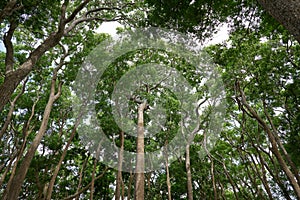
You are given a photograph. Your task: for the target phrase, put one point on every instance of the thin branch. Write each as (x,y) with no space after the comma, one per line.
(87,186)
(274,148)
(76,11)
(86,19)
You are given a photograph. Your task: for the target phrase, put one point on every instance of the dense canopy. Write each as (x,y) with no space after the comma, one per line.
(46,43)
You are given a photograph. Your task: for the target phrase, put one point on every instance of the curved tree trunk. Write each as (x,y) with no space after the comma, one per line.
(274,148)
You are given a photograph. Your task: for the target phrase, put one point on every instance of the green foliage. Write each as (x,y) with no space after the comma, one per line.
(259,53)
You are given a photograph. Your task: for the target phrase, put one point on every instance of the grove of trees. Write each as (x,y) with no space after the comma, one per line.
(46,42)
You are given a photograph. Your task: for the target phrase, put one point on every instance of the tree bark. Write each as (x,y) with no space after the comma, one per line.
(13,78)
(55,173)
(168,173)
(274,148)
(188,172)
(120,163)
(129,185)
(93,180)
(80,177)
(11,110)
(10,7)
(286,12)
(13,192)
(140,160)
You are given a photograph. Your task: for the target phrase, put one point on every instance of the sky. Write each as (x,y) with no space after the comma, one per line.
(110,28)
(2,48)
(219,37)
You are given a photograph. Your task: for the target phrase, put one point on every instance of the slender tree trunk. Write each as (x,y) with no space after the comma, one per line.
(93,180)
(86,187)
(123,190)
(92,188)
(52,181)
(264,178)
(80,177)
(274,173)
(11,109)
(212,171)
(120,163)
(168,173)
(168,181)
(7,169)
(140,160)
(188,173)
(234,187)
(13,192)
(129,186)
(247,108)
(285,153)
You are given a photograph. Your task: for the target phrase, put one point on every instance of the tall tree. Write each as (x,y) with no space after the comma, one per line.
(41,154)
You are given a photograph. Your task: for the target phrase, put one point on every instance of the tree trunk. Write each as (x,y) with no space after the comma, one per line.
(129,186)
(168,173)
(55,173)
(188,173)
(212,171)
(9,85)
(286,12)
(93,180)
(274,148)
(140,160)
(18,179)
(13,78)
(86,187)
(120,162)
(8,10)
(80,177)
(11,110)
(12,193)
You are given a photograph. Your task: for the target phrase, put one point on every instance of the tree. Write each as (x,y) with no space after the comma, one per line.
(257,70)
(42,154)
(53,38)
(68,18)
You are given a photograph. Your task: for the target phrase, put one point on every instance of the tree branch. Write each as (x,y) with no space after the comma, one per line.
(76,11)
(87,186)
(274,147)
(9,59)
(10,7)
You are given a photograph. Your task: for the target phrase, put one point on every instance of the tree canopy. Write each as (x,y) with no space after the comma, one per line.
(46,44)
